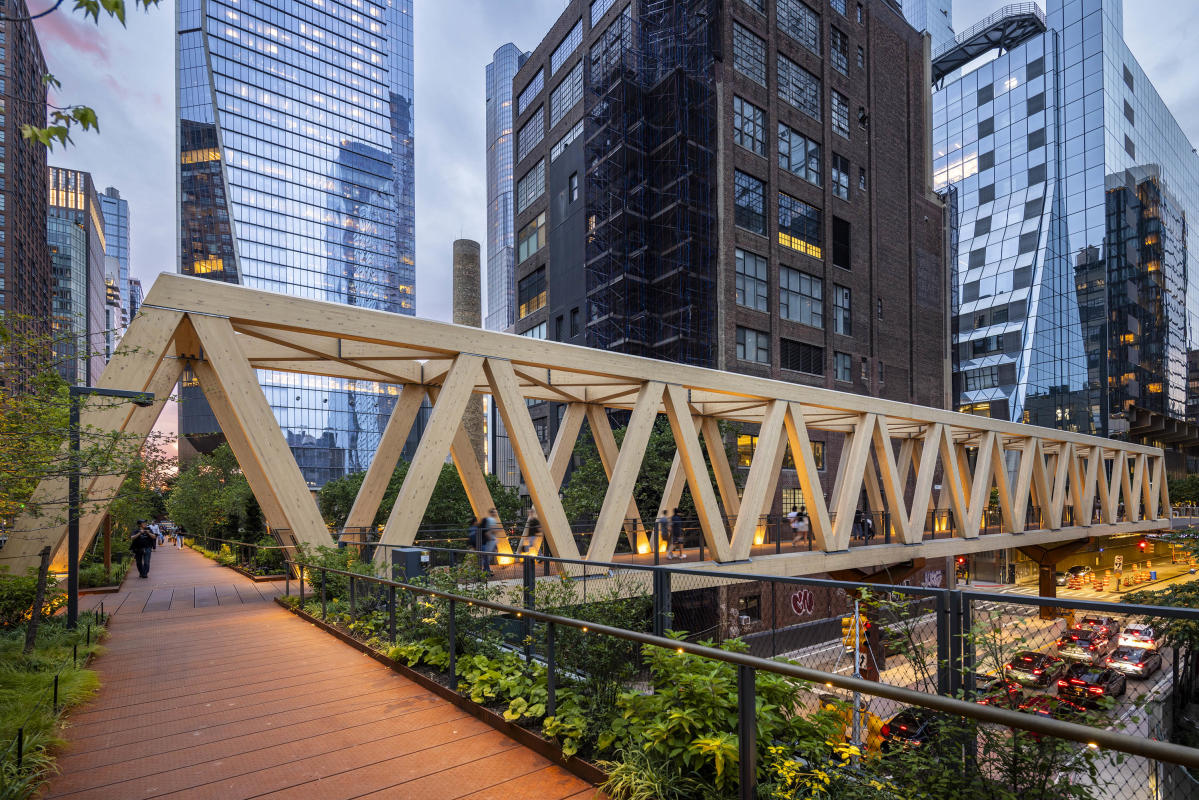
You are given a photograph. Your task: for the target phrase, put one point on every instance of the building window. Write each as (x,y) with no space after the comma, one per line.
(838,6)
(753,345)
(598,9)
(564,50)
(751,280)
(749,126)
(530,187)
(799,225)
(757,5)
(531,134)
(800,23)
(801,357)
(880,373)
(574,186)
(530,294)
(859,13)
(842,316)
(841,246)
(840,106)
(840,176)
(530,92)
(861,57)
(559,327)
(566,94)
(609,49)
(531,238)
(574,322)
(749,608)
(565,141)
(801,298)
(862,179)
(983,378)
(798,154)
(843,367)
(799,87)
(839,51)
(749,200)
(749,54)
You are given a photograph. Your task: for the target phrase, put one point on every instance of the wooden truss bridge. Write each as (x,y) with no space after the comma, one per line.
(1081,486)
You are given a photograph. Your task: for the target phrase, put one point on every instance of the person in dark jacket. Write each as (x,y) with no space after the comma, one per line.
(142,543)
(676,536)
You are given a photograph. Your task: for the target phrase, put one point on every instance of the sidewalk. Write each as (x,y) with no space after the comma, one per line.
(210,690)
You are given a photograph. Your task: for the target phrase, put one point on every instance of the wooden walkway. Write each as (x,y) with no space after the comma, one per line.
(210,690)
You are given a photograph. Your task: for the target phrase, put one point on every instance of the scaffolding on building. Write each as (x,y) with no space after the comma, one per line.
(650,154)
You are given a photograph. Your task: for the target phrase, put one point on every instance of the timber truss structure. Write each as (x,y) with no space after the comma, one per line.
(1080,486)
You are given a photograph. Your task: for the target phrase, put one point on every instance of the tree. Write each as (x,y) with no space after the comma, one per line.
(212,496)
(34,416)
(448,506)
(1184,490)
(65,118)
(141,496)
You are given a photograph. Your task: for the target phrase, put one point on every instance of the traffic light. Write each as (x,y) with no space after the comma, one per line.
(961,560)
(1142,545)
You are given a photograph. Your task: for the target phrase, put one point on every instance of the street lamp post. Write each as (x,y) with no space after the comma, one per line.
(142,399)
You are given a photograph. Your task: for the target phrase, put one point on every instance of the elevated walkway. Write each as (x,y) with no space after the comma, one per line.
(1003,30)
(210,690)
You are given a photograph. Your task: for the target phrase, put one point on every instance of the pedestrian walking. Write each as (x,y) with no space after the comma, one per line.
(156,529)
(676,536)
(530,540)
(491,538)
(799,526)
(179,533)
(868,526)
(142,543)
(858,529)
(793,521)
(661,530)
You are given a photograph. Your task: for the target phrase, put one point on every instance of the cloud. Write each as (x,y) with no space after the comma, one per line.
(61,28)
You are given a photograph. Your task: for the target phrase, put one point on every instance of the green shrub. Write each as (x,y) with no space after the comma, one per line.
(267,558)
(17,593)
(94,575)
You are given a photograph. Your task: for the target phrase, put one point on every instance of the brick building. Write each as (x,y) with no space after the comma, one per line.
(740,185)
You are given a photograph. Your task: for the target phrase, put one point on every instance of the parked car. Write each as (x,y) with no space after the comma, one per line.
(993,690)
(1087,683)
(1079,571)
(1055,707)
(1060,578)
(1139,636)
(1100,623)
(1030,668)
(916,727)
(1136,662)
(1085,644)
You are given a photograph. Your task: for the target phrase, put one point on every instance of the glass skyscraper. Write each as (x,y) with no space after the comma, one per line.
(296,175)
(934,16)
(501,261)
(116,242)
(1071,185)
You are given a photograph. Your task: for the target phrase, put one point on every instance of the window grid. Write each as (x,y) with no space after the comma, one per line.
(840,176)
(530,92)
(840,108)
(753,345)
(751,281)
(566,94)
(530,293)
(799,225)
(564,50)
(749,54)
(565,141)
(842,316)
(799,87)
(803,357)
(530,187)
(598,9)
(798,154)
(801,297)
(749,200)
(531,238)
(757,5)
(531,134)
(839,51)
(749,126)
(800,23)
(843,367)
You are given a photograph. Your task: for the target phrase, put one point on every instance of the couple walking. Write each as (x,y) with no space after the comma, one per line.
(671,525)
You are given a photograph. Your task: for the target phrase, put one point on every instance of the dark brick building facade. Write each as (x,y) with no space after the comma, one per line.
(736,184)
(26,279)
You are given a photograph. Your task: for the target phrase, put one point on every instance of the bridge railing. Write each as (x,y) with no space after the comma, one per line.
(583,670)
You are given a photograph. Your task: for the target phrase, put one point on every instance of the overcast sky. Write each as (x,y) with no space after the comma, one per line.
(128,75)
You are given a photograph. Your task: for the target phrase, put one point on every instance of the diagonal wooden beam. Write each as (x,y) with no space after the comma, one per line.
(718,457)
(1061,479)
(855,455)
(470,472)
(763,474)
(505,393)
(609,453)
(892,485)
(952,480)
(256,422)
(809,476)
(421,478)
(692,459)
(618,500)
(980,485)
(1003,485)
(323,348)
(564,443)
(926,466)
(387,455)
(1133,500)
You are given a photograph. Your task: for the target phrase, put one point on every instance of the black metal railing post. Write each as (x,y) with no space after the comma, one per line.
(324,595)
(944,631)
(352,598)
(301,579)
(661,600)
(56,695)
(529,573)
(955,643)
(747,732)
(453,645)
(391,612)
(551,672)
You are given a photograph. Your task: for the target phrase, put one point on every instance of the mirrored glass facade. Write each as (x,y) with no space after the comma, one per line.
(1072,185)
(116,243)
(296,176)
(934,16)
(501,262)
